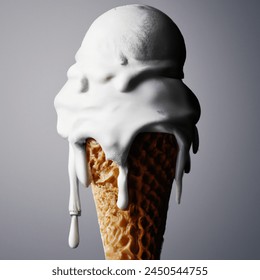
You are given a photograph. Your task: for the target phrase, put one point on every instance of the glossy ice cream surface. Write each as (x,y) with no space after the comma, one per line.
(127,79)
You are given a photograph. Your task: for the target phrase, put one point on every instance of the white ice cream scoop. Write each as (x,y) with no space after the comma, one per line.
(127,79)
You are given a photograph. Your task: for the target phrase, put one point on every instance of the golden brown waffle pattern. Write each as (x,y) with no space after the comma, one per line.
(135,233)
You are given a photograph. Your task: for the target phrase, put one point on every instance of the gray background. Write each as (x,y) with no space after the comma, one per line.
(219,214)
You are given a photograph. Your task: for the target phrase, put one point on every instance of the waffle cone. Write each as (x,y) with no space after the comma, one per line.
(135,233)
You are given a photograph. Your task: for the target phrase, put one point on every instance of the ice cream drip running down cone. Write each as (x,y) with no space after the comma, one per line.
(130,122)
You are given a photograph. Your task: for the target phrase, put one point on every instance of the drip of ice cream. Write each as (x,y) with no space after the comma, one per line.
(126,80)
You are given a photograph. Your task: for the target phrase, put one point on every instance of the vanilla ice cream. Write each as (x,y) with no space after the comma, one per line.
(127,79)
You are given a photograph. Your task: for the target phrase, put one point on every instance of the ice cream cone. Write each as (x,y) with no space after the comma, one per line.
(137,232)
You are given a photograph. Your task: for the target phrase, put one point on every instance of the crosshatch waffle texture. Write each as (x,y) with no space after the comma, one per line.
(135,233)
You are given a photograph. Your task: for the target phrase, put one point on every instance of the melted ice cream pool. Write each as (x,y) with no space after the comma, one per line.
(113,99)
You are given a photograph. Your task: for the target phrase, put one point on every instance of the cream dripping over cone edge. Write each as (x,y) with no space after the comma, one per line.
(127,79)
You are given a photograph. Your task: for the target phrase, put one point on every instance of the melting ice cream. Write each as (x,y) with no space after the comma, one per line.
(127,79)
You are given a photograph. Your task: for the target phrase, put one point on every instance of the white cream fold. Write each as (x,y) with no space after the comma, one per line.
(119,88)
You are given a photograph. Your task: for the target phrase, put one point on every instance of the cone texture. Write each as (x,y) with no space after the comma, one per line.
(135,233)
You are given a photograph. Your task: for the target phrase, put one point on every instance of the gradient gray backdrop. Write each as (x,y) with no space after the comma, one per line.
(219,214)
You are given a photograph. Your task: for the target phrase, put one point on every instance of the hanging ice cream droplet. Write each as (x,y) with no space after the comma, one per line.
(122,201)
(74,232)
(74,201)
